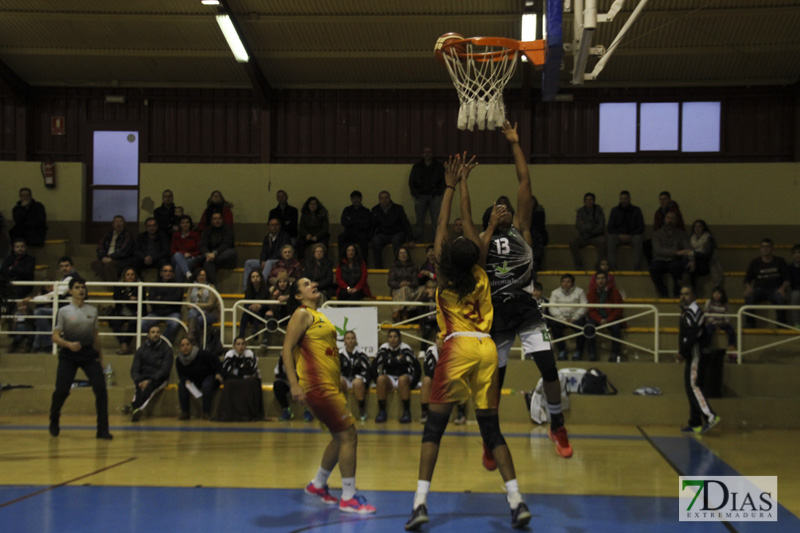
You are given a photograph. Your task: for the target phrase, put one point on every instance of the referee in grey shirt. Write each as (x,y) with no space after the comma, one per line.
(76,334)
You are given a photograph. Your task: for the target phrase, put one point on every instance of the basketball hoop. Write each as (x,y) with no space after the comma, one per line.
(480,68)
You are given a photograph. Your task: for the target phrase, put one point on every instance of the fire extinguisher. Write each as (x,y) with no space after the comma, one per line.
(49,173)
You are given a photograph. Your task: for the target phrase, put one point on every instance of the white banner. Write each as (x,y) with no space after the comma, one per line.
(361,320)
(728,498)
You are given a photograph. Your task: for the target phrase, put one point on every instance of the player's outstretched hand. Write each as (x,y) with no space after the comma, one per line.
(467,166)
(511,133)
(452,170)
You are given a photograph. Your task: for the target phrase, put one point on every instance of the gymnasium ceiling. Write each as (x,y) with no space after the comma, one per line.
(374,43)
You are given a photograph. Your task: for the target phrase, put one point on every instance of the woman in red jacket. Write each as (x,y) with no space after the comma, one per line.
(216,204)
(185,249)
(351,276)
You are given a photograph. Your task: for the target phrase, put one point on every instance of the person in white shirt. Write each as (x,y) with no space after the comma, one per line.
(572,317)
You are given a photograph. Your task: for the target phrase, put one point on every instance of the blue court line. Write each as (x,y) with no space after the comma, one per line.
(690,457)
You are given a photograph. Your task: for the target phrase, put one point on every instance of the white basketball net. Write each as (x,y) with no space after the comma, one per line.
(480,87)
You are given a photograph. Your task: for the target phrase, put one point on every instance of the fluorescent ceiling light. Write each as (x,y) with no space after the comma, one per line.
(210,2)
(529,29)
(234,42)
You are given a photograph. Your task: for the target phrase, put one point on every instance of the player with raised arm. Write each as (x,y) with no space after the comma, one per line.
(509,264)
(468,361)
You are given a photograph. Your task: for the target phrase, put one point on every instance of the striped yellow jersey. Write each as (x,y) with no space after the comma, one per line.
(473,313)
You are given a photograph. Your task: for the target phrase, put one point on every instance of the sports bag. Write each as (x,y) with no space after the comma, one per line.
(596,382)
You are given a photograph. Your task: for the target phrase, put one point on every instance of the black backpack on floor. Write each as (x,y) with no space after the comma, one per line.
(596,382)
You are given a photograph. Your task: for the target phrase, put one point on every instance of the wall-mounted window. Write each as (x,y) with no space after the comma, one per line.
(630,127)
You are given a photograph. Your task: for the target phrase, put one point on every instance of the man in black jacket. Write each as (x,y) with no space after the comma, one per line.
(30,219)
(152,248)
(165,215)
(391,226)
(19,266)
(160,308)
(357,224)
(693,339)
(114,251)
(426,182)
(625,226)
(217,247)
(271,248)
(285,213)
(150,370)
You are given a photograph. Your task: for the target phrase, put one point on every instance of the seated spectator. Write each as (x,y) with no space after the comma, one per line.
(672,253)
(283,394)
(242,398)
(271,248)
(351,276)
(426,183)
(313,227)
(766,279)
(430,359)
(395,368)
(319,269)
(126,310)
(391,226)
(30,220)
(114,251)
(217,247)
(152,248)
(162,299)
(794,275)
(458,228)
(706,258)
(716,306)
(216,204)
(5,242)
(150,370)
(403,283)
(286,214)
(666,205)
(600,316)
(43,342)
(591,224)
(279,290)
(356,223)
(256,290)
(166,216)
(428,324)
(538,295)
(185,249)
(575,317)
(625,226)
(287,263)
(198,369)
(199,321)
(427,270)
(604,266)
(19,266)
(354,364)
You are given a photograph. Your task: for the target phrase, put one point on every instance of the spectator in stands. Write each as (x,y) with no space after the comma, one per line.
(427,270)
(199,321)
(216,204)
(672,253)
(458,229)
(591,224)
(165,215)
(604,266)
(718,305)
(279,290)
(313,227)
(667,205)
(285,213)
(395,367)
(271,248)
(426,182)
(539,236)
(704,251)
(163,298)
(354,364)
(256,290)
(391,226)
(625,226)
(538,295)
(287,263)
(43,342)
(429,326)
(600,316)
(185,249)
(30,220)
(150,370)
(351,276)
(403,283)
(794,275)
(319,270)
(114,251)
(574,317)
(217,247)
(19,266)
(356,225)
(152,248)
(242,399)
(5,242)
(199,369)
(766,279)
(126,298)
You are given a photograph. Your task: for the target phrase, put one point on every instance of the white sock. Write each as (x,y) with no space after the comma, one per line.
(512,493)
(421,496)
(348,488)
(554,408)
(322,478)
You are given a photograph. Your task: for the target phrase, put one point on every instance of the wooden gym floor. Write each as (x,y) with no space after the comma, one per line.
(162,475)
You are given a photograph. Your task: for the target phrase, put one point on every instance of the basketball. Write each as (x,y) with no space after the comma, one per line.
(455,50)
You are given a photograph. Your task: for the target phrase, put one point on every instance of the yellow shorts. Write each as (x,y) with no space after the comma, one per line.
(467,367)
(329,405)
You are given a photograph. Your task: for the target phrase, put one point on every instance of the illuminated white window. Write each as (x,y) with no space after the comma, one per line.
(618,128)
(700,126)
(658,126)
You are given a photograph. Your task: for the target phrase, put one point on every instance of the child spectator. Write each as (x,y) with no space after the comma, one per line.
(718,305)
